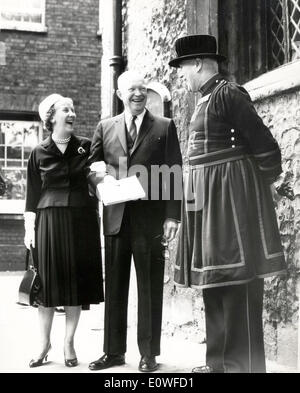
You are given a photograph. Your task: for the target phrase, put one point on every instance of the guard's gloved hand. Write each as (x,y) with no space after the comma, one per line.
(29,223)
(285,189)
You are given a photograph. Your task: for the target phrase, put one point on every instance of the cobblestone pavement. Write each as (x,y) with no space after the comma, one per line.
(19,338)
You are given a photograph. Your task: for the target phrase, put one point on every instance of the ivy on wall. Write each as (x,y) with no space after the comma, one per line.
(169,23)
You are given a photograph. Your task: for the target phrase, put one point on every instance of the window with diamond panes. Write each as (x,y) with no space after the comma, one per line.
(284,17)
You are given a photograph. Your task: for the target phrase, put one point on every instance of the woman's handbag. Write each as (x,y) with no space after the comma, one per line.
(31,285)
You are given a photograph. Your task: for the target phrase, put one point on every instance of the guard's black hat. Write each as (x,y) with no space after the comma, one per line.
(193,46)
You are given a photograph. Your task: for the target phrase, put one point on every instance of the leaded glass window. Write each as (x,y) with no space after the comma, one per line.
(284,31)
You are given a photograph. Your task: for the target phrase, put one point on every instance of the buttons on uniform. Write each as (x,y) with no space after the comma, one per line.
(232,138)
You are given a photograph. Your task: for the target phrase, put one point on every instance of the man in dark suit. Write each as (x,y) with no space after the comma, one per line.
(136,139)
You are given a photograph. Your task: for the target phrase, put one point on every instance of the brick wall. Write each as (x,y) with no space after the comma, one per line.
(12,249)
(66,59)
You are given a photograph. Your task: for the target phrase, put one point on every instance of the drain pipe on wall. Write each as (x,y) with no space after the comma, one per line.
(116,61)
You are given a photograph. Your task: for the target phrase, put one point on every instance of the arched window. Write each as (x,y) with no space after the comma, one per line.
(159,98)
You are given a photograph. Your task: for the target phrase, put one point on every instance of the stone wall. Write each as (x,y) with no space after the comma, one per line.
(282,114)
(157,25)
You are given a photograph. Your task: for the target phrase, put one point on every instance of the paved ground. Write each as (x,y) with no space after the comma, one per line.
(19,337)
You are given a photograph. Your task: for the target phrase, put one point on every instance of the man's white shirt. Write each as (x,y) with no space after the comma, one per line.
(138,121)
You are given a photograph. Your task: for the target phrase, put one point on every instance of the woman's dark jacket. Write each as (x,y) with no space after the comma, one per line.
(58,180)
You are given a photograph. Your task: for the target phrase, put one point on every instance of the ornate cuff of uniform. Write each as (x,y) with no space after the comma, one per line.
(270,164)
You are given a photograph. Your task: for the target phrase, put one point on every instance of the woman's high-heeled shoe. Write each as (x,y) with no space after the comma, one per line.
(71,362)
(39,362)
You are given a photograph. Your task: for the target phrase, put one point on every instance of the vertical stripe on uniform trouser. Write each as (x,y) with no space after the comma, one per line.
(215,327)
(239,327)
(258,364)
(248,328)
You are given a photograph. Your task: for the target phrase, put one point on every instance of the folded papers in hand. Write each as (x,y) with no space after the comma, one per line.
(123,190)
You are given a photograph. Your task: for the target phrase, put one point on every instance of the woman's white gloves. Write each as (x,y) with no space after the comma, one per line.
(29,222)
(100,168)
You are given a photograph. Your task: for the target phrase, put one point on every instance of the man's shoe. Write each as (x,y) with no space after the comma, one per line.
(148,364)
(207,370)
(107,361)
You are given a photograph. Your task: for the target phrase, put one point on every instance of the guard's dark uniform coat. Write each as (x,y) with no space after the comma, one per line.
(229,238)
(229,232)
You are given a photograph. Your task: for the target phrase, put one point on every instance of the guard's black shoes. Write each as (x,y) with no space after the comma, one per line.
(207,370)
(148,364)
(107,361)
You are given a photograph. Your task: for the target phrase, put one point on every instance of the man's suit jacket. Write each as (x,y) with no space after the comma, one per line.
(156,144)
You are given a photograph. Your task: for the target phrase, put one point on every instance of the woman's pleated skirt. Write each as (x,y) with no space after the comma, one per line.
(69,257)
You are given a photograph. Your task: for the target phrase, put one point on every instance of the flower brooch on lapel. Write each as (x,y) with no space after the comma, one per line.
(81,150)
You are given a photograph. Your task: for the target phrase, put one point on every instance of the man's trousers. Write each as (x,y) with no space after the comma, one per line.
(140,237)
(234,328)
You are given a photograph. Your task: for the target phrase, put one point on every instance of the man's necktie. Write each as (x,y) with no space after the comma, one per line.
(133,129)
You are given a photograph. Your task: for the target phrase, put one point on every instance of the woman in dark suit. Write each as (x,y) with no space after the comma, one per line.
(61,225)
